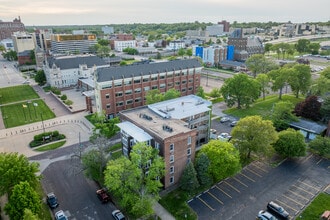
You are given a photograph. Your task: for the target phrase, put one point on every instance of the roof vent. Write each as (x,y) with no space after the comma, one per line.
(167,128)
(145,116)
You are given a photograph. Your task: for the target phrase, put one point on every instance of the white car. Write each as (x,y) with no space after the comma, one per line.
(118,215)
(224,137)
(59,215)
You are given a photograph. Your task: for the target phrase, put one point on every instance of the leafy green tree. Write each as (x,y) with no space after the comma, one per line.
(2,48)
(309,108)
(215,93)
(202,164)
(14,169)
(93,49)
(181,52)
(282,115)
(325,109)
(131,51)
(64,97)
(258,63)
(171,94)
(103,51)
(300,79)
(314,48)
(279,79)
(154,96)
(264,82)
(40,77)
(22,197)
(32,57)
(28,215)
(224,159)
(103,42)
(321,145)
(122,63)
(268,47)
(321,85)
(189,52)
(302,45)
(252,134)
(291,143)
(188,180)
(200,92)
(240,90)
(137,181)
(10,55)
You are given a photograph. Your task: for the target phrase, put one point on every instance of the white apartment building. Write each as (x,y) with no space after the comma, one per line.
(120,45)
(176,45)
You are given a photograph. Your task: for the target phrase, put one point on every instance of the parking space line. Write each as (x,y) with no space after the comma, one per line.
(319,161)
(214,197)
(257,174)
(307,158)
(223,192)
(205,203)
(259,168)
(240,182)
(326,188)
(293,200)
(313,187)
(248,177)
(286,205)
(232,187)
(298,195)
(302,189)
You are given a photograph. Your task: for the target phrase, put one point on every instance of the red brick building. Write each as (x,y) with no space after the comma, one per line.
(125,87)
(8,28)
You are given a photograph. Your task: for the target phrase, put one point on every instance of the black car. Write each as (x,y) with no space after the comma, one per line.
(52,200)
(277,210)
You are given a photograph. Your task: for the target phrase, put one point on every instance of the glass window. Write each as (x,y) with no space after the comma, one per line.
(107,96)
(171,179)
(128,92)
(154,87)
(172,169)
(189,140)
(119,103)
(137,90)
(130,101)
(171,158)
(189,151)
(108,106)
(163,85)
(171,147)
(137,100)
(147,88)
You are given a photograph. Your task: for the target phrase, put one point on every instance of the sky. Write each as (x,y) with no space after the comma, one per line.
(103,12)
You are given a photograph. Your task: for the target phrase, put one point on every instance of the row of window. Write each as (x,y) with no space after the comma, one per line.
(172,155)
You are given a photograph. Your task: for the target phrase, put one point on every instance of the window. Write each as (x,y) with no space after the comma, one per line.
(171,147)
(189,151)
(189,140)
(171,158)
(108,106)
(177,83)
(170,84)
(183,90)
(172,169)
(137,80)
(146,79)
(119,103)
(169,75)
(127,82)
(157,145)
(190,88)
(153,78)
(118,84)
(130,101)
(107,96)
(154,87)
(128,92)
(161,86)
(162,76)
(190,80)
(137,90)
(184,81)
(146,88)
(137,100)
(171,179)
(119,94)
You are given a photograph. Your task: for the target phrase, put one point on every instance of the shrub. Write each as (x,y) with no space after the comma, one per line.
(64,97)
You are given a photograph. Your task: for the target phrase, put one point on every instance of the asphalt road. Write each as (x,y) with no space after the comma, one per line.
(293,184)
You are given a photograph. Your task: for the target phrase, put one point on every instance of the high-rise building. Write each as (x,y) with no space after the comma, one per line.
(23,41)
(72,44)
(8,28)
(225,24)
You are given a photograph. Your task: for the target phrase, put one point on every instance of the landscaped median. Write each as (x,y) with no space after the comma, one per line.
(47,141)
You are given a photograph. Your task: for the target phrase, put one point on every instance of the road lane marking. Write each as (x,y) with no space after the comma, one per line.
(298,194)
(286,205)
(260,168)
(253,172)
(215,197)
(205,203)
(293,200)
(240,182)
(224,192)
(303,190)
(248,177)
(232,187)
(313,187)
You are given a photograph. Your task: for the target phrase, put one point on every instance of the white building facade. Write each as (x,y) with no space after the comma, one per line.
(23,41)
(121,45)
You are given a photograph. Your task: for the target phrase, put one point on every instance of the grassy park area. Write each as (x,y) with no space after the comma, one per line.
(320,204)
(26,108)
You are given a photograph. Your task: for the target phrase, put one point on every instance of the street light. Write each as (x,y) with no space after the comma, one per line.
(42,121)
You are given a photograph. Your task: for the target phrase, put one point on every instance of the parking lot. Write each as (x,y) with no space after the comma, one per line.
(293,185)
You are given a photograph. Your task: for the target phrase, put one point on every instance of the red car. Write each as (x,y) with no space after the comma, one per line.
(103,195)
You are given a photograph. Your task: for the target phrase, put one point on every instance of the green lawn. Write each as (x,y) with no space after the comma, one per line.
(17,93)
(320,204)
(51,146)
(262,107)
(16,115)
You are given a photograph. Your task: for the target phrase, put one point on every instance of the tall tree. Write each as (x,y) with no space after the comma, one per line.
(14,169)
(154,96)
(268,47)
(224,159)
(181,52)
(321,145)
(279,79)
(241,90)
(22,197)
(300,79)
(291,143)
(188,180)
(258,63)
(171,94)
(282,115)
(309,108)
(40,77)
(136,181)
(202,164)
(103,42)
(200,92)
(302,45)
(252,134)
(314,48)
(321,85)
(325,109)
(264,82)
(189,52)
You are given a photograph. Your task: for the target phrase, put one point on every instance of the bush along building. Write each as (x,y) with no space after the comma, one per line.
(124,87)
(175,127)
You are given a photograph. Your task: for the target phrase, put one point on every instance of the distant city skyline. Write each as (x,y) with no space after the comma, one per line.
(104,12)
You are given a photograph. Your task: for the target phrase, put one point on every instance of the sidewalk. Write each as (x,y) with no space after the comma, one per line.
(162,213)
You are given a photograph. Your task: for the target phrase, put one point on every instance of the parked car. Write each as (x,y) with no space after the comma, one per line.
(52,200)
(118,215)
(277,210)
(224,137)
(233,123)
(264,215)
(60,215)
(213,133)
(103,195)
(224,119)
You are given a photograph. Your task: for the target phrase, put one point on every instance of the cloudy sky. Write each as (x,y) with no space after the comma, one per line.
(80,12)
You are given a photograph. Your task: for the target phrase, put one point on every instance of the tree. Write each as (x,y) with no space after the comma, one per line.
(188,180)
(291,143)
(10,55)
(279,79)
(32,57)
(103,126)
(136,181)
(28,215)
(40,78)
(154,96)
(325,109)
(171,94)
(103,42)
(22,197)
(200,92)
(300,79)
(264,82)
(252,134)
(322,84)
(189,52)
(309,108)
(14,169)
(268,47)
(282,115)
(257,63)
(314,48)
(103,51)
(302,45)
(321,145)
(93,49)
(131,51)
(240,90)
(202,164)
(224,159)
(181,52)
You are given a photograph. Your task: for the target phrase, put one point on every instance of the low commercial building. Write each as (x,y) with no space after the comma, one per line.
(175,127)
